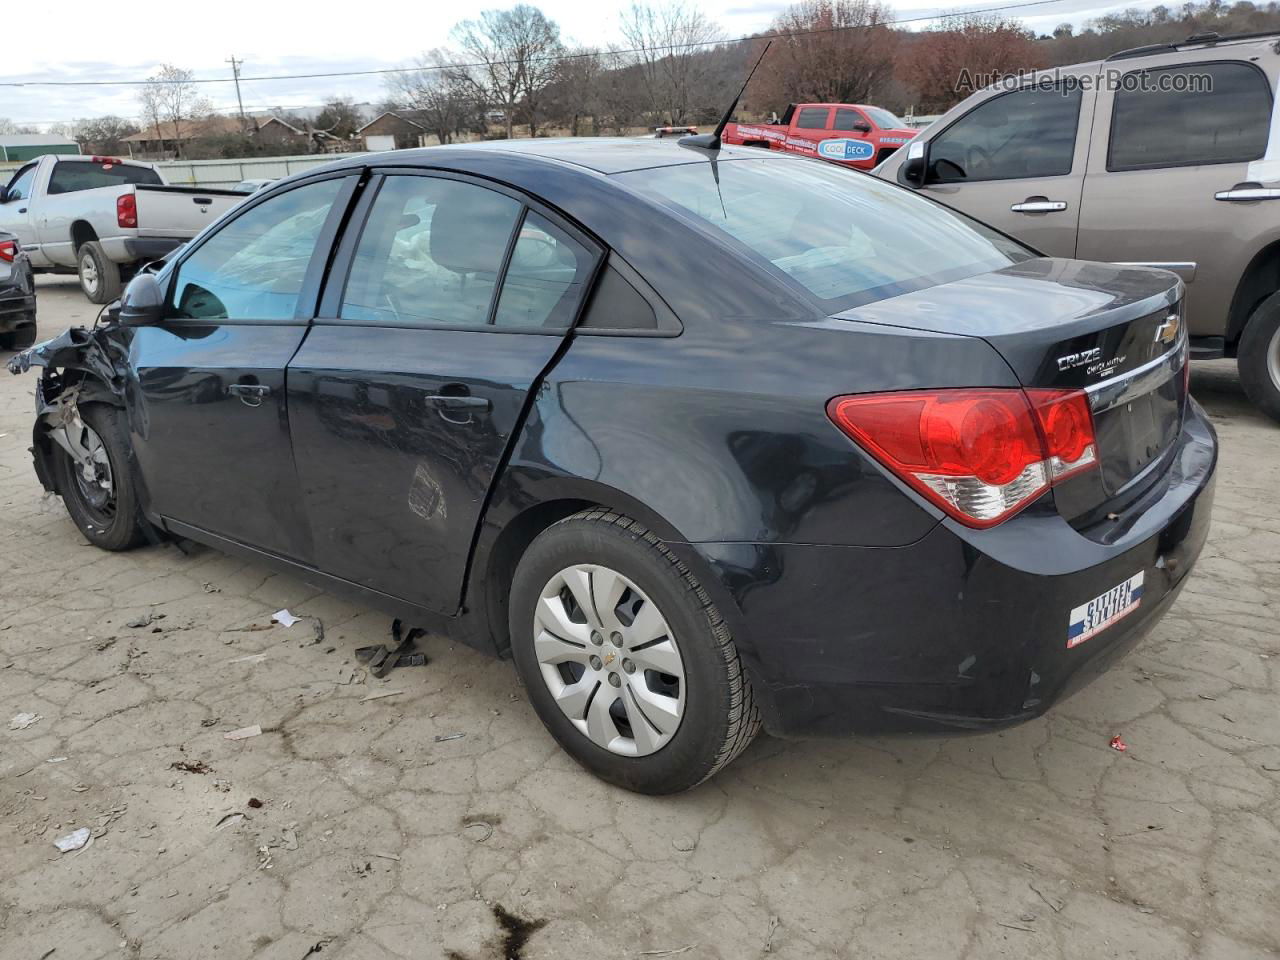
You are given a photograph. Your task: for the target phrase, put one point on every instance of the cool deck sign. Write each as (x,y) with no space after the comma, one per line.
(844,149)
(1102,611)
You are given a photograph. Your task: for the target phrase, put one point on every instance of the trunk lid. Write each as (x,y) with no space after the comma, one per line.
(1115,332)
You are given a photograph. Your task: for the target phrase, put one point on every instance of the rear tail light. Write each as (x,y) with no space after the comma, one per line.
(127,210)
(8,251)
(982,454)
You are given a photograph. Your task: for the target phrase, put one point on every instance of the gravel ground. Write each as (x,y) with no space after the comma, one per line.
(348,830)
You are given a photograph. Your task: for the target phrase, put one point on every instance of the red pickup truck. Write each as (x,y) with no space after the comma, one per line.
(848,133)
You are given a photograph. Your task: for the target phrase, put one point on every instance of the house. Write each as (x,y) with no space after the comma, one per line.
(17,147)
(165,137)
(393,130)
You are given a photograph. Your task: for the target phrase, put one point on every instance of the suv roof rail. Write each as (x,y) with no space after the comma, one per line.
(1153,48)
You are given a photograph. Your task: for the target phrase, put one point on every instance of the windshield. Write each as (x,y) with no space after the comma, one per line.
(884,119)
(847,238)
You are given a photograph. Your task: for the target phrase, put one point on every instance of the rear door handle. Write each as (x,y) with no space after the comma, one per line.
(1039,205)
(250,394)
(1247,191)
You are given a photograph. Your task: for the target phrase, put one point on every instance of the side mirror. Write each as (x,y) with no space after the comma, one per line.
(143,302)
(4,194)
(916,167)
(861,127)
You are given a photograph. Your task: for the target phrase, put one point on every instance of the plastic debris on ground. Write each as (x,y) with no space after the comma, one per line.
(284,618)
(73,840)
(244,733)
(24,720)
(446,737)
(1118,744)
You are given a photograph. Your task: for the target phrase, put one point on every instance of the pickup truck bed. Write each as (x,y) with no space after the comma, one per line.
(103,217)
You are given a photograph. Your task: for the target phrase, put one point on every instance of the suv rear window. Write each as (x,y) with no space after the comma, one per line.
(847,240)
(1209,113)
(70,176)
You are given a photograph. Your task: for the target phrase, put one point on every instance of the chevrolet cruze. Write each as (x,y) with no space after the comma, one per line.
(704,440)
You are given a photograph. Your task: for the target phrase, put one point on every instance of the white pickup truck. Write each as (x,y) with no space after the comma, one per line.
(102,217)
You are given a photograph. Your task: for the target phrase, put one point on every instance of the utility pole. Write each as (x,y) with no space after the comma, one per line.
(235,72)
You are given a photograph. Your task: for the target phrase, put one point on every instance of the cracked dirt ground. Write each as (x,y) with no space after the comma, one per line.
(349,830)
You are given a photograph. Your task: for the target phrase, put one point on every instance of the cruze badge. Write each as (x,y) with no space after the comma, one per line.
(1072,360)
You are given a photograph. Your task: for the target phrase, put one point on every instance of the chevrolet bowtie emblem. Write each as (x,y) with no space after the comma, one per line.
(1167,332)
(609,658)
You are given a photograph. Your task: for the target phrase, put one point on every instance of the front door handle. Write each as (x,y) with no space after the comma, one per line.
(445,401)
(1247,191)
(250,394)
(1039,205)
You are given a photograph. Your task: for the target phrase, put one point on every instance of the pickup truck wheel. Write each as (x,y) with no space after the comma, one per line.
(1258,357)
(625,657)
(100,495)
(99,275)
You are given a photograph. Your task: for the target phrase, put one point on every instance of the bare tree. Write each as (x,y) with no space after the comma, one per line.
(170,96)
(669,45)
(8,126)
(339,118)
(838,51)
(441,97)
(103,134)
(517,50)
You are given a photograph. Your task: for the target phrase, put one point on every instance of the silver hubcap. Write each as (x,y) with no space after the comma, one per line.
(608,657)
(89,273)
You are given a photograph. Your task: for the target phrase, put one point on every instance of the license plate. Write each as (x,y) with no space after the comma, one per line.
(1102,611)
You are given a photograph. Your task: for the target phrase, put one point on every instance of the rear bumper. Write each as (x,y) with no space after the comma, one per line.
(140,249)
(964,629)
(16,309)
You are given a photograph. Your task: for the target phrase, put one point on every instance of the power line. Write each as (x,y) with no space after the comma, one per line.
(670,48)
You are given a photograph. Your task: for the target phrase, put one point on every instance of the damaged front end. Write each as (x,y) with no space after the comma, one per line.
(79,366)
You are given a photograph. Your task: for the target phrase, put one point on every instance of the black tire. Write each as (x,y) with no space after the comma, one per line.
(99,276)
(720,717)
(113,522)
(20,338)
(1258,357)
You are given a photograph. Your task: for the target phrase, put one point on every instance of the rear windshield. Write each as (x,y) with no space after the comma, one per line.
(847,238)
(70,176)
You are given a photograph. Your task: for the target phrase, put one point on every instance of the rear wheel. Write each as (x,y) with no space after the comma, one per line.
(625,658)
(99,276)
(99,494)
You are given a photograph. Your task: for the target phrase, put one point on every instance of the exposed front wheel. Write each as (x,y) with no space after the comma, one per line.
(1258,357)
(625,658)
(99,275)
(98,488)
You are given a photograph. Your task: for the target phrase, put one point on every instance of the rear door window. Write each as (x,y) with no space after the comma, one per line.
(1014,136)
(847,119)
(1199,113)
(71,176)
(431,254)
(545,277)
(813,118)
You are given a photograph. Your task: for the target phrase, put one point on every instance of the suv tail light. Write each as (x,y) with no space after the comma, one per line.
(979,454)
(127,210)
(8,251)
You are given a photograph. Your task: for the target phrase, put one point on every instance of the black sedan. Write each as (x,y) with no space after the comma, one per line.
(703,440)
(17,296)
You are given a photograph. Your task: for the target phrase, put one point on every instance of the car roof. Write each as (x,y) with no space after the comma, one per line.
(606,155)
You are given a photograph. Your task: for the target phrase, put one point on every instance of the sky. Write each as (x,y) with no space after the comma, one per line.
(274,38)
